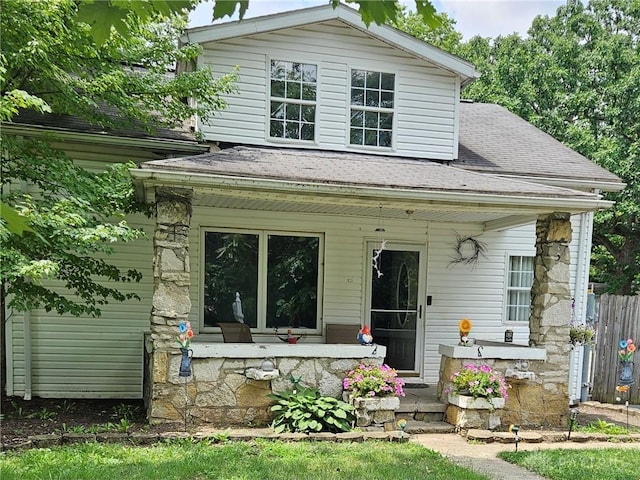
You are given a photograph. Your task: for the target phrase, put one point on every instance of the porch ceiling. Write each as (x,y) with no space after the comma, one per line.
(395,211)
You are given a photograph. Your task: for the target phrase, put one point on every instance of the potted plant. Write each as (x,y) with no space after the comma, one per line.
(374,391)
(478,386)
(581,335)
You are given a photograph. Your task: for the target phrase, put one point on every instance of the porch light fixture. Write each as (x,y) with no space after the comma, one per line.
(375,260)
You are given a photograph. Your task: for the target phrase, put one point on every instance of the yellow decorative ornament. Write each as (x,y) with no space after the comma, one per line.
(465,325)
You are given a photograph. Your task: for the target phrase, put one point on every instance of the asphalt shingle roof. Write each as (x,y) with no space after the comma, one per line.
(351,169)
(492,139)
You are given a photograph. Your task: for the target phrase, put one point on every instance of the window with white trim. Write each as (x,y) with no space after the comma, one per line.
(372,100)
(520,279)
(277,277)
(293,89)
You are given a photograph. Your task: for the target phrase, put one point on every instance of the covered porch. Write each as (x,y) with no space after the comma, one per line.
(346,200)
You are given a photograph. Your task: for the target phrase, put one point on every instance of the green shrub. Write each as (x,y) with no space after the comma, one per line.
(304,410)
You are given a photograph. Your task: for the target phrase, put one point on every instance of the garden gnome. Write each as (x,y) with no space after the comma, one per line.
(364,336)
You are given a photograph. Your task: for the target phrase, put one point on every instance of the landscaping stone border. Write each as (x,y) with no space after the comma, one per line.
(214,436)
(249,434)
(487,436)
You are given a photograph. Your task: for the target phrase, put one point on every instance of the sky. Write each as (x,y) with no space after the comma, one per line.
(487,18)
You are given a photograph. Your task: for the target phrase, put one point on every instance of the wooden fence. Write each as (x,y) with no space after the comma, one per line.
(618,318)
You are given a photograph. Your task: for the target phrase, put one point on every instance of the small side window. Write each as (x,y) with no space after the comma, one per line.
(519,281)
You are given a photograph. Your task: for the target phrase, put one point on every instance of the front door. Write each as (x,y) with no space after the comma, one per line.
(396,305)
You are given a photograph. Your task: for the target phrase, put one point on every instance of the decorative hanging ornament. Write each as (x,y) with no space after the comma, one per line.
(377,253)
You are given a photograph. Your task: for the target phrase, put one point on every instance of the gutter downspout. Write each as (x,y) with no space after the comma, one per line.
(27,354)
(579,283)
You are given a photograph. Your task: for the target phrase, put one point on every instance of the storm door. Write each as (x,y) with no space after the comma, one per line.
(395,302)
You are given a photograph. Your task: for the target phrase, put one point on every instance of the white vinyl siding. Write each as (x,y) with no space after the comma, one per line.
(86,357)
(425,106)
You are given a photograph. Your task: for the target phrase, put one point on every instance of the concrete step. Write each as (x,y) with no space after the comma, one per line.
(421,410)
(422,406)
(415,426)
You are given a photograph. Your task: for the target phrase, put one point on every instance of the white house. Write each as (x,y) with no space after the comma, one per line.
(347,183)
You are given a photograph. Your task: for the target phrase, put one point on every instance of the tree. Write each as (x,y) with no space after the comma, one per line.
(51,63)
(105,15)
(577,77)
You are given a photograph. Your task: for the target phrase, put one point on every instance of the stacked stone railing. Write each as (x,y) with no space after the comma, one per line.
(228,387)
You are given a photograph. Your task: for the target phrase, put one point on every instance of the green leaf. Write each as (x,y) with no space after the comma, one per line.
(15,222)
(340,414)
(228,8)
(428,12)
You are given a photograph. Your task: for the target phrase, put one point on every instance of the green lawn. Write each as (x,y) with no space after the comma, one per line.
(261,460)
(585,464)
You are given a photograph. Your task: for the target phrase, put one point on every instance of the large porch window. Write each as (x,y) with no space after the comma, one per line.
(277,276)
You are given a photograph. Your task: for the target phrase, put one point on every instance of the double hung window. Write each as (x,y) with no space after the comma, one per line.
(293,100)
(277,276)
(520,279)
(372,103)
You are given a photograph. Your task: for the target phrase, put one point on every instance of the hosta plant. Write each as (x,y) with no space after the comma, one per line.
(304,410)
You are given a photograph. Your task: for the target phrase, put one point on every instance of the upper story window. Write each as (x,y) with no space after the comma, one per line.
(519,288)
(372,100)
(277,276)
(293,100)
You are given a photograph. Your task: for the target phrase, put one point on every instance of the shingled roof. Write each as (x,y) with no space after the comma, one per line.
(494,140)
(71,123)
(353,169)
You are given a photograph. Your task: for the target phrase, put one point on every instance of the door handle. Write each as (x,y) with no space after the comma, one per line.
(419,311)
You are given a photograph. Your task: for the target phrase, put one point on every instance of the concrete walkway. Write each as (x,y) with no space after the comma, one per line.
(482,457)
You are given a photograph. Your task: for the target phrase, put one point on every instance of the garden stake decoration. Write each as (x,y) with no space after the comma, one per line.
(515,429)
(184,340)
(625,355)
(573,416)
(402,423)
(465,327)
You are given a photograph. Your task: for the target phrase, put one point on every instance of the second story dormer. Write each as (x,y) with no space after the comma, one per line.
(319,78)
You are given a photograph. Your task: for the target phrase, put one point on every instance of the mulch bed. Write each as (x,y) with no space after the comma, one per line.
(39,416)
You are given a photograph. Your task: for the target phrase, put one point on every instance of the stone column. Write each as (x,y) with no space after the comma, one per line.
(171,303)
(551,313)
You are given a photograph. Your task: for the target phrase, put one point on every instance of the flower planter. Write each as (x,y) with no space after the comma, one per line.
(468,402)
(466,412)
(373,411)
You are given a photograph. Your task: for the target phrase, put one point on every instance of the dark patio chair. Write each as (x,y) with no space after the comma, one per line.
(339,333)
(236,332)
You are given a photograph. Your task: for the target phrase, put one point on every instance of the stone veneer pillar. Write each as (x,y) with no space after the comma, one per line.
(551,312)
(171,303)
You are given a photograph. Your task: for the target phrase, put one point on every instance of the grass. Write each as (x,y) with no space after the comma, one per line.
(602,426)
(264,460)
(582,464)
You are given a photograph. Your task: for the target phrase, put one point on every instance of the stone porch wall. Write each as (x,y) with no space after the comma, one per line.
(544,399)
(221,393)
(529,401)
